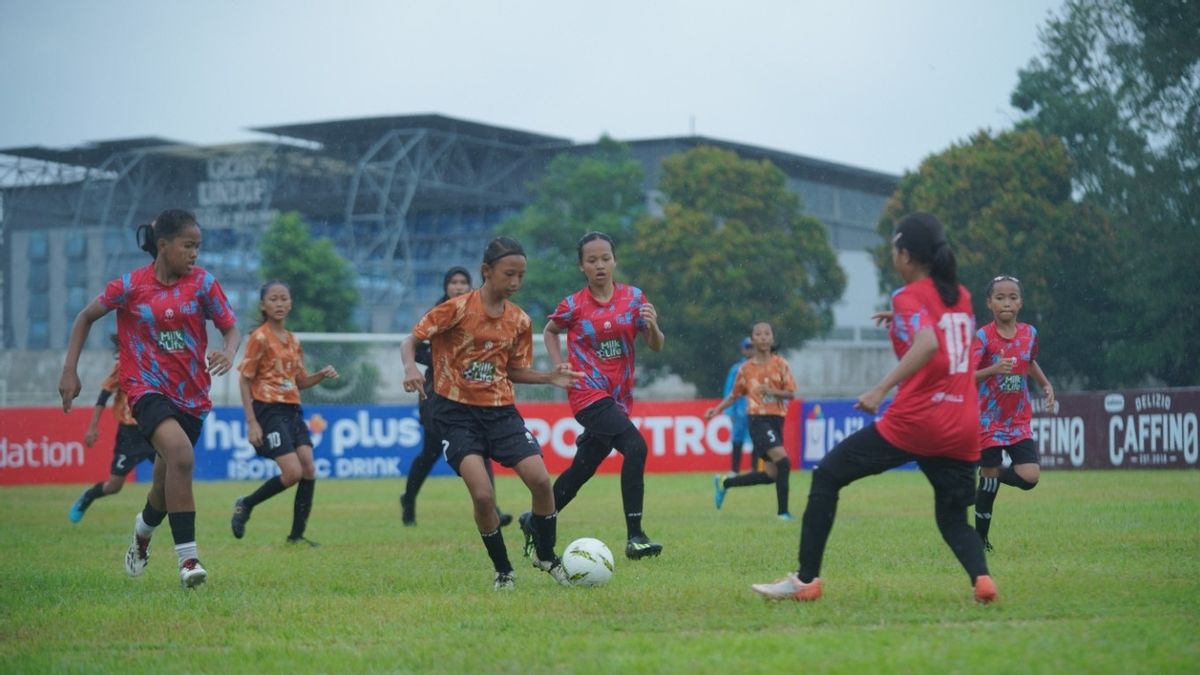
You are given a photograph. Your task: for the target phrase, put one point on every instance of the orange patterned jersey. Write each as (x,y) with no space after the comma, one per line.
(120,402)
(774,374)
(472,351)
(273,366)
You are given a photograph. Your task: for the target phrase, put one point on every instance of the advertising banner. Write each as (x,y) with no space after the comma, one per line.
(827,422)
(42,445)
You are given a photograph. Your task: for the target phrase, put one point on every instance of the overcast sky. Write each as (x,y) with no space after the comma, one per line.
(878,85)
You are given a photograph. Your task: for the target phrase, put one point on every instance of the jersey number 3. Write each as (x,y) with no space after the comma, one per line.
(957,328)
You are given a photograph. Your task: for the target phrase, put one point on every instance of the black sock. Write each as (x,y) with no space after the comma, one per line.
(736,463)
(421,466)
(183,526)
(93,493)
(633,480)
(985,497)
(966,544)
(494,543)
(748,478)
(152,516)
(1010,476)
(817,523)
(302,506)
(269,488)
(545,531)
(783,469)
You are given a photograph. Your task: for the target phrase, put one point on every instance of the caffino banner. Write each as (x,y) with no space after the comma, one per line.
(1126,429)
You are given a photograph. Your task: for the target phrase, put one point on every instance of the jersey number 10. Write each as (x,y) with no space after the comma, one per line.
(957,328)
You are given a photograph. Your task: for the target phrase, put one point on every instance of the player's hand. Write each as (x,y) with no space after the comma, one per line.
(1006,365)
(870,400)
(563,367)
(711,413)
(219,363)
(1050,402)
(564,378)
(329,373)
(883,319)
(69,388)
(414,381)
(90,437)
(649,314)
(254,433)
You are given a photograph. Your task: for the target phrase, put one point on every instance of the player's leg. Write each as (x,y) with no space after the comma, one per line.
(761,436)
(543,518)
(990,460)
(953,491)
(422,464)
(1024,472)
(737,438)
(779,467)
(173,437)
(305,489)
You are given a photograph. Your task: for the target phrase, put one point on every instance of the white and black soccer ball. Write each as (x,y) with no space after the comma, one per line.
(588,562)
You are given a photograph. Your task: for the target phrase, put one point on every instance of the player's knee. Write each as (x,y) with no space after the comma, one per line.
(824,485)
(288,475)
(634,447)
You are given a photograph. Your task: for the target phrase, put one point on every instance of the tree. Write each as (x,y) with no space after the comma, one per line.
(732,247)
(601,190)
(323,300)
(1119,82)
(1006,203)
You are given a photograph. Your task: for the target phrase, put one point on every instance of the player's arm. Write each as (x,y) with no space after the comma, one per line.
(562,376)
(1044,382)
(553,347)
(313,379)
(68,383)
(220,362)
(89,436)
(651,333)
(738,390)
(924,346)
(253,428)
(413,379)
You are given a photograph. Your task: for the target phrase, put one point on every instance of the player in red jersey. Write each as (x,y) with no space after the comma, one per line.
(130,448)
(482,344)
(165,371)
(1005,351)
(933,419)
(272,375)
(765,379)
(602,321)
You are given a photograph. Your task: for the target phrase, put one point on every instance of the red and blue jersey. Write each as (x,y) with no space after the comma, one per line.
(1005,412)
(936,410)
(600,340)
(162,334)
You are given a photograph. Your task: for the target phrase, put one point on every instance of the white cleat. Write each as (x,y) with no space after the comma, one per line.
(137,556)
(790,588)
(191,574)
(554,568)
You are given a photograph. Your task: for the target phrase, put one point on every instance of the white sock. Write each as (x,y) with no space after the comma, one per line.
(141,528)
(185,551)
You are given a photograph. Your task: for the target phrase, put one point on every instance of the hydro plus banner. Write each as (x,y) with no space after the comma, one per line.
(348,442)
(829,421)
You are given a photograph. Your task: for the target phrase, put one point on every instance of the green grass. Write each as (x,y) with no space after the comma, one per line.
(1097,573)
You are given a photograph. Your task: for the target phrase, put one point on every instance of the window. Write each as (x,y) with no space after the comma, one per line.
(77,275)
(39,334)
(39,275)
(39,305)
(77,299)
(38,247)
(76,247)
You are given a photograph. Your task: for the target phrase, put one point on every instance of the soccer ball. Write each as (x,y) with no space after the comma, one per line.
(588,562)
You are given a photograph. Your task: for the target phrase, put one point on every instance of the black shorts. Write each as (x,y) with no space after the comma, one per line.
(766,432)
(1021,452)
(606,426)
(152,409)
(866,453)
(283,428)
(130,448)
(496,433)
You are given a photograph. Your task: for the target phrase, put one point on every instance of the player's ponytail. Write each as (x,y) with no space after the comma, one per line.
(166,226)
(924,237)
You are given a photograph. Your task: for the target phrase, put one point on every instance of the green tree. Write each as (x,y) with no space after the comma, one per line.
(323,300)
(600,190)
(1119,82)
(1006,203)
(731,247)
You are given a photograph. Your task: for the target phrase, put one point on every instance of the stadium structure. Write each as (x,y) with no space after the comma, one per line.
(401,197)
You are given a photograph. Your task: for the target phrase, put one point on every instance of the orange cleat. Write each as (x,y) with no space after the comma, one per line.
(985,590)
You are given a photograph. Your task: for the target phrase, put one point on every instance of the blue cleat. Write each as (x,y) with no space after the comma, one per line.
(786,517)
(79,508)
(718,491)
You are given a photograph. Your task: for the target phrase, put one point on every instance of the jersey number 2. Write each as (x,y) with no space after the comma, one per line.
(957,328)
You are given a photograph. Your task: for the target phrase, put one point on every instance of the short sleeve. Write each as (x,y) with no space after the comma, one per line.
(978,347)
(1033,344)
(116,293)
(740,386)
(301,369)
(909,317)
(635,306)
(521,354)
(256,346)
(216,306)
(789,382)
(438,320)
(566,312)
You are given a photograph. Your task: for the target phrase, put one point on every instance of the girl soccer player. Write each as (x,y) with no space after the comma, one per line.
(601,321)
(1005,351)
(482,344)
(272,375)
(456,282)
(737,411)
(129,448)
(933,420)
(161,310)
(767,383)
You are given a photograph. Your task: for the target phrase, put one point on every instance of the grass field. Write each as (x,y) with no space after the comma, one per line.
(1097,573)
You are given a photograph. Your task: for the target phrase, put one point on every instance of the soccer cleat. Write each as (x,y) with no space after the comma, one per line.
(786,517)
(137,555)
(191,574)
(408,510)
(241,513)
(718,491)
(790,588)
(985,590)
(640,546)
(79,507)
(302,540)
(505,581)
(555,569)
(525,521)
(505,518)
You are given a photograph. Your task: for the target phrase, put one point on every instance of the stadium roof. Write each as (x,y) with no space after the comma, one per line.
(89,154)
(335,133)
